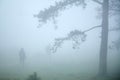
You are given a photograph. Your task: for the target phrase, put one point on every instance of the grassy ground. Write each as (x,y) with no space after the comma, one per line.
(64,77)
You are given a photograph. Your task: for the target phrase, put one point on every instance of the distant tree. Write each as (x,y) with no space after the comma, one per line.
(107,7)
(34,77)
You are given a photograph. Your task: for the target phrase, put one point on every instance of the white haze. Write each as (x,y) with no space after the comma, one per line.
(18,29)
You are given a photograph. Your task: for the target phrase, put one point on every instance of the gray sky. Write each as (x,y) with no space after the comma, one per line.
(19,27)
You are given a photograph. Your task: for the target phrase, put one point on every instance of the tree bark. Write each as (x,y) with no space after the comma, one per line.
(104,40)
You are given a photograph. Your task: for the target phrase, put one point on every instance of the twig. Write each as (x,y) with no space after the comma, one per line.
(98,2)
(91,28)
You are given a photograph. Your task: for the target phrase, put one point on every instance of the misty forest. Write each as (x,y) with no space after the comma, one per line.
(59,39)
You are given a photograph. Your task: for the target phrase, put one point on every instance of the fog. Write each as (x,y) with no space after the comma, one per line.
(19,29)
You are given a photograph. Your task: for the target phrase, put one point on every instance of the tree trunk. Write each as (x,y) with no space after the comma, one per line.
(104,40)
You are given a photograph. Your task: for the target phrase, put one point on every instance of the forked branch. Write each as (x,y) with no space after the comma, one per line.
(97,1)
(76,36)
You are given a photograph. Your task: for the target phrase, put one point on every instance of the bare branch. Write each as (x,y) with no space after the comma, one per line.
(98,2)
(117,10)
(115,29)
(92,28)
(76,36)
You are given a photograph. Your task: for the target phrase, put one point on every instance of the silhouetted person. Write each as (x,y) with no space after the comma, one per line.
(22,56)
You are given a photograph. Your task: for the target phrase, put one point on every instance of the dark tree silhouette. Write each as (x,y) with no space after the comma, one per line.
(104,39)
(107,6)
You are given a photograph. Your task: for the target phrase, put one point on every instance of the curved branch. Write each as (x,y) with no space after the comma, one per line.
(98,2)
(76,33)
(76,36)
(115,29)
(92,28)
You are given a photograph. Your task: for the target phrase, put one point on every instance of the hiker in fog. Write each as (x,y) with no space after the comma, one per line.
(22,56)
